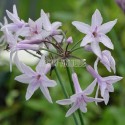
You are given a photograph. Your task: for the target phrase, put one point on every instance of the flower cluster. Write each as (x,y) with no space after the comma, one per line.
(43,35)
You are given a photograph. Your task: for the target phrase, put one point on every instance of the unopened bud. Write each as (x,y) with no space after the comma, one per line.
(69,40)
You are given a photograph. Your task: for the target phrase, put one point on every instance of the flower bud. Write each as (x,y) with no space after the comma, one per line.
(69,40)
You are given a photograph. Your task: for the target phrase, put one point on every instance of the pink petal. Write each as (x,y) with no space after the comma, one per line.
(72,109)
(103,86)
(106,97)
(82,27)
(13,17)
(56,25)
(96,49)
(58,38)
(15,11)
(112,79)
(76,83)
(96,65)
(106,41)
(22,67)
(110,88)
(39,23)
(47,82)
(45,21)
(113,66)
(45,92)
(96,18)
(83,108)
(40,68)
(64,102)
(23,78)
(32,87)
(90,88)
(87,39)
(47,68)
(90,99)
(106,27)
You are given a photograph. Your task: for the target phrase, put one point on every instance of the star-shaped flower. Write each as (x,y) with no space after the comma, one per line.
(14,45)
(96,32)
(107,60)
(17,23)
(51,28)
(105,84)
(35,79)
(80,99)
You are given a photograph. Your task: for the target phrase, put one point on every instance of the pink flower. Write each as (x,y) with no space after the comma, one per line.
(35,79)
(35,31)
(14,46)
(80,99)
(105,84)
(96,32)
(17,23)
(51,28)
(107,60)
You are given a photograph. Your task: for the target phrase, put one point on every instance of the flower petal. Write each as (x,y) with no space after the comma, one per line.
(45,92)
(106,41)
(106,27)
(13,17)
(15,11)
(58,38)
(103,86)
(76,83)
(22,67)
(82,27)
(87,39)
(112,62)
(96,18)
(90,88)
(47,82)
(96,49)
(112,79)
(56,25)
(106,97)
(83,108)
(72,109)
(32,87)
(45,21)
(41,65)
(90,99)
(64,102)
(96,65)
(23,78)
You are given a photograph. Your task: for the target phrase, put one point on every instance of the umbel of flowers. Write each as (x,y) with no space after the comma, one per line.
(43,35)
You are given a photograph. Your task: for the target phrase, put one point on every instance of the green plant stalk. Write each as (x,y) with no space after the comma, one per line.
(70,79)
(76,44)
(50,51)
(76,49)
(64,91)
(73,91)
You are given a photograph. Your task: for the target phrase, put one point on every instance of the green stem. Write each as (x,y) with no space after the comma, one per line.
(32,54)
(76,44)
(50,51)
(64,91)
(81,117)
(76,49)
(61,83)
(70,79)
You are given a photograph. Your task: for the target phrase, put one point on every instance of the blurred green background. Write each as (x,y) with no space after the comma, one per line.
(15,110)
